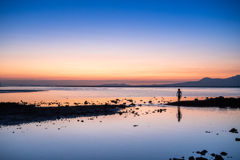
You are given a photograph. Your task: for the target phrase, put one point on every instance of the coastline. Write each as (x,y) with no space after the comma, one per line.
(221,102)
(20,91)
(15,113)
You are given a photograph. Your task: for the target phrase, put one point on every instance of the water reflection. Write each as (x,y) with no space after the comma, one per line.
(179,114)
(157,135)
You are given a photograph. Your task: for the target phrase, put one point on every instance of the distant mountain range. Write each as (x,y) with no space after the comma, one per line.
(205,82)
(115,85)
(209,82)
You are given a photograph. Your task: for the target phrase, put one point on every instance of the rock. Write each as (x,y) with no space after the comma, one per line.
(223,153)
(201,158)
(82,120)
(191,158)
(135,125)
(132,104)
(237,139)
(213,154)
(233,130)
(218,157)
(202,153)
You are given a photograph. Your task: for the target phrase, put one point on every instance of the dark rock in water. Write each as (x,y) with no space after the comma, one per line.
(233,130)
(132,104)
(191,158)
(213,154)
(177,159)
(218,157)
(223,153)
(195,99)
(201,158)
(237,139)
(202,153)
(82,120)
(150,101)
(130,100)
(135,125)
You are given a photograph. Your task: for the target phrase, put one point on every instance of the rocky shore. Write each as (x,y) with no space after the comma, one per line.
(16,113)
(210,102)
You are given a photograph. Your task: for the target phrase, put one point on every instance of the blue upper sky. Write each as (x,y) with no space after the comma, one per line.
(171,28)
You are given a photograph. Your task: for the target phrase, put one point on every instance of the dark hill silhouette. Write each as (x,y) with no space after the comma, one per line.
(210,82)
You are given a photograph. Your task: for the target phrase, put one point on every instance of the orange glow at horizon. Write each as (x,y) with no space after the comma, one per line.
(115,63)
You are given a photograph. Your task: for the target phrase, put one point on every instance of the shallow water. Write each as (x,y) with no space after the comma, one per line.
(157,136)
(56,93)
(70,95)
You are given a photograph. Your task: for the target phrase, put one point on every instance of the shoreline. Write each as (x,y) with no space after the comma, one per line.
(15,113)
(20,91)
(220,102)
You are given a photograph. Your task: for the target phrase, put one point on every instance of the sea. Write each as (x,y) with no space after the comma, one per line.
(176,132)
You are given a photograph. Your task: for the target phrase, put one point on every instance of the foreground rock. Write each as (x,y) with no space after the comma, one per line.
(15,113)
(201,158)
(202,153)
(234,130)
(210,102)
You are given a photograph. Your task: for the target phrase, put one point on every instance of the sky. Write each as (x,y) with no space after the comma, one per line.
(120,40)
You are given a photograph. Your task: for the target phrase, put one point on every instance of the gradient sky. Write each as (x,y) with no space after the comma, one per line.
(119,40)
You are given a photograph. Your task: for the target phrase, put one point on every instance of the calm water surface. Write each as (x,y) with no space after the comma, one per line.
(57,93)
(157,136)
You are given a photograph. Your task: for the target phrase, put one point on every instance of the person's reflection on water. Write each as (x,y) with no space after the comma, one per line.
(179,114)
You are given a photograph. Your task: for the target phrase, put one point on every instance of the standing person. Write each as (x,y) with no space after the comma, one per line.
(179,95)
